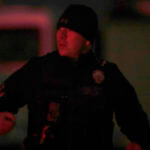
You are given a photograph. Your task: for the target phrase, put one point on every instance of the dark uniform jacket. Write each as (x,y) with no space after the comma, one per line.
(71,103)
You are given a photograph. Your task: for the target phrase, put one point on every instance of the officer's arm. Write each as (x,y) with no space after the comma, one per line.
(130,116)
(7,119)
(15,92)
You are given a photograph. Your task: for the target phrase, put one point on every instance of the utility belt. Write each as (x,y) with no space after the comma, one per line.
(52,131)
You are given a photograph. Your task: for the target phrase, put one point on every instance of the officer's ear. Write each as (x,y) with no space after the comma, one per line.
(87,47)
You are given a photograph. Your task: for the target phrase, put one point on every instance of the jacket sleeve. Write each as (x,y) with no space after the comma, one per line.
(130,116)
(16,91)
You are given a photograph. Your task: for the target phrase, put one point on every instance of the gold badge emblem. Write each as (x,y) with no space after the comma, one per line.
(98,76)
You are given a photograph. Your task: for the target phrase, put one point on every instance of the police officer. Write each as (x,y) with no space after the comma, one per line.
(72,96)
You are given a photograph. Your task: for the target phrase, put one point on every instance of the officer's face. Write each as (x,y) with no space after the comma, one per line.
(70,43)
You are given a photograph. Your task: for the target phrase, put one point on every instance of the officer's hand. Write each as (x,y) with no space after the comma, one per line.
(7,122)
(133,146)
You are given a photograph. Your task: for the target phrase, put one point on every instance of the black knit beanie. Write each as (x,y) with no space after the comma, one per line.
(81,19)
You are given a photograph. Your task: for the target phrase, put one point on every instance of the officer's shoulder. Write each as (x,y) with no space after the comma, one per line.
(105,63)
(45,58)
(51,55)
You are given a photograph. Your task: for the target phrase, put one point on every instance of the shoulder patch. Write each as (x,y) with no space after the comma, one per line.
(98,76)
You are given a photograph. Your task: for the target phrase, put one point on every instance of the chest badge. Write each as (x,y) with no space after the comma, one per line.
(98,76)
